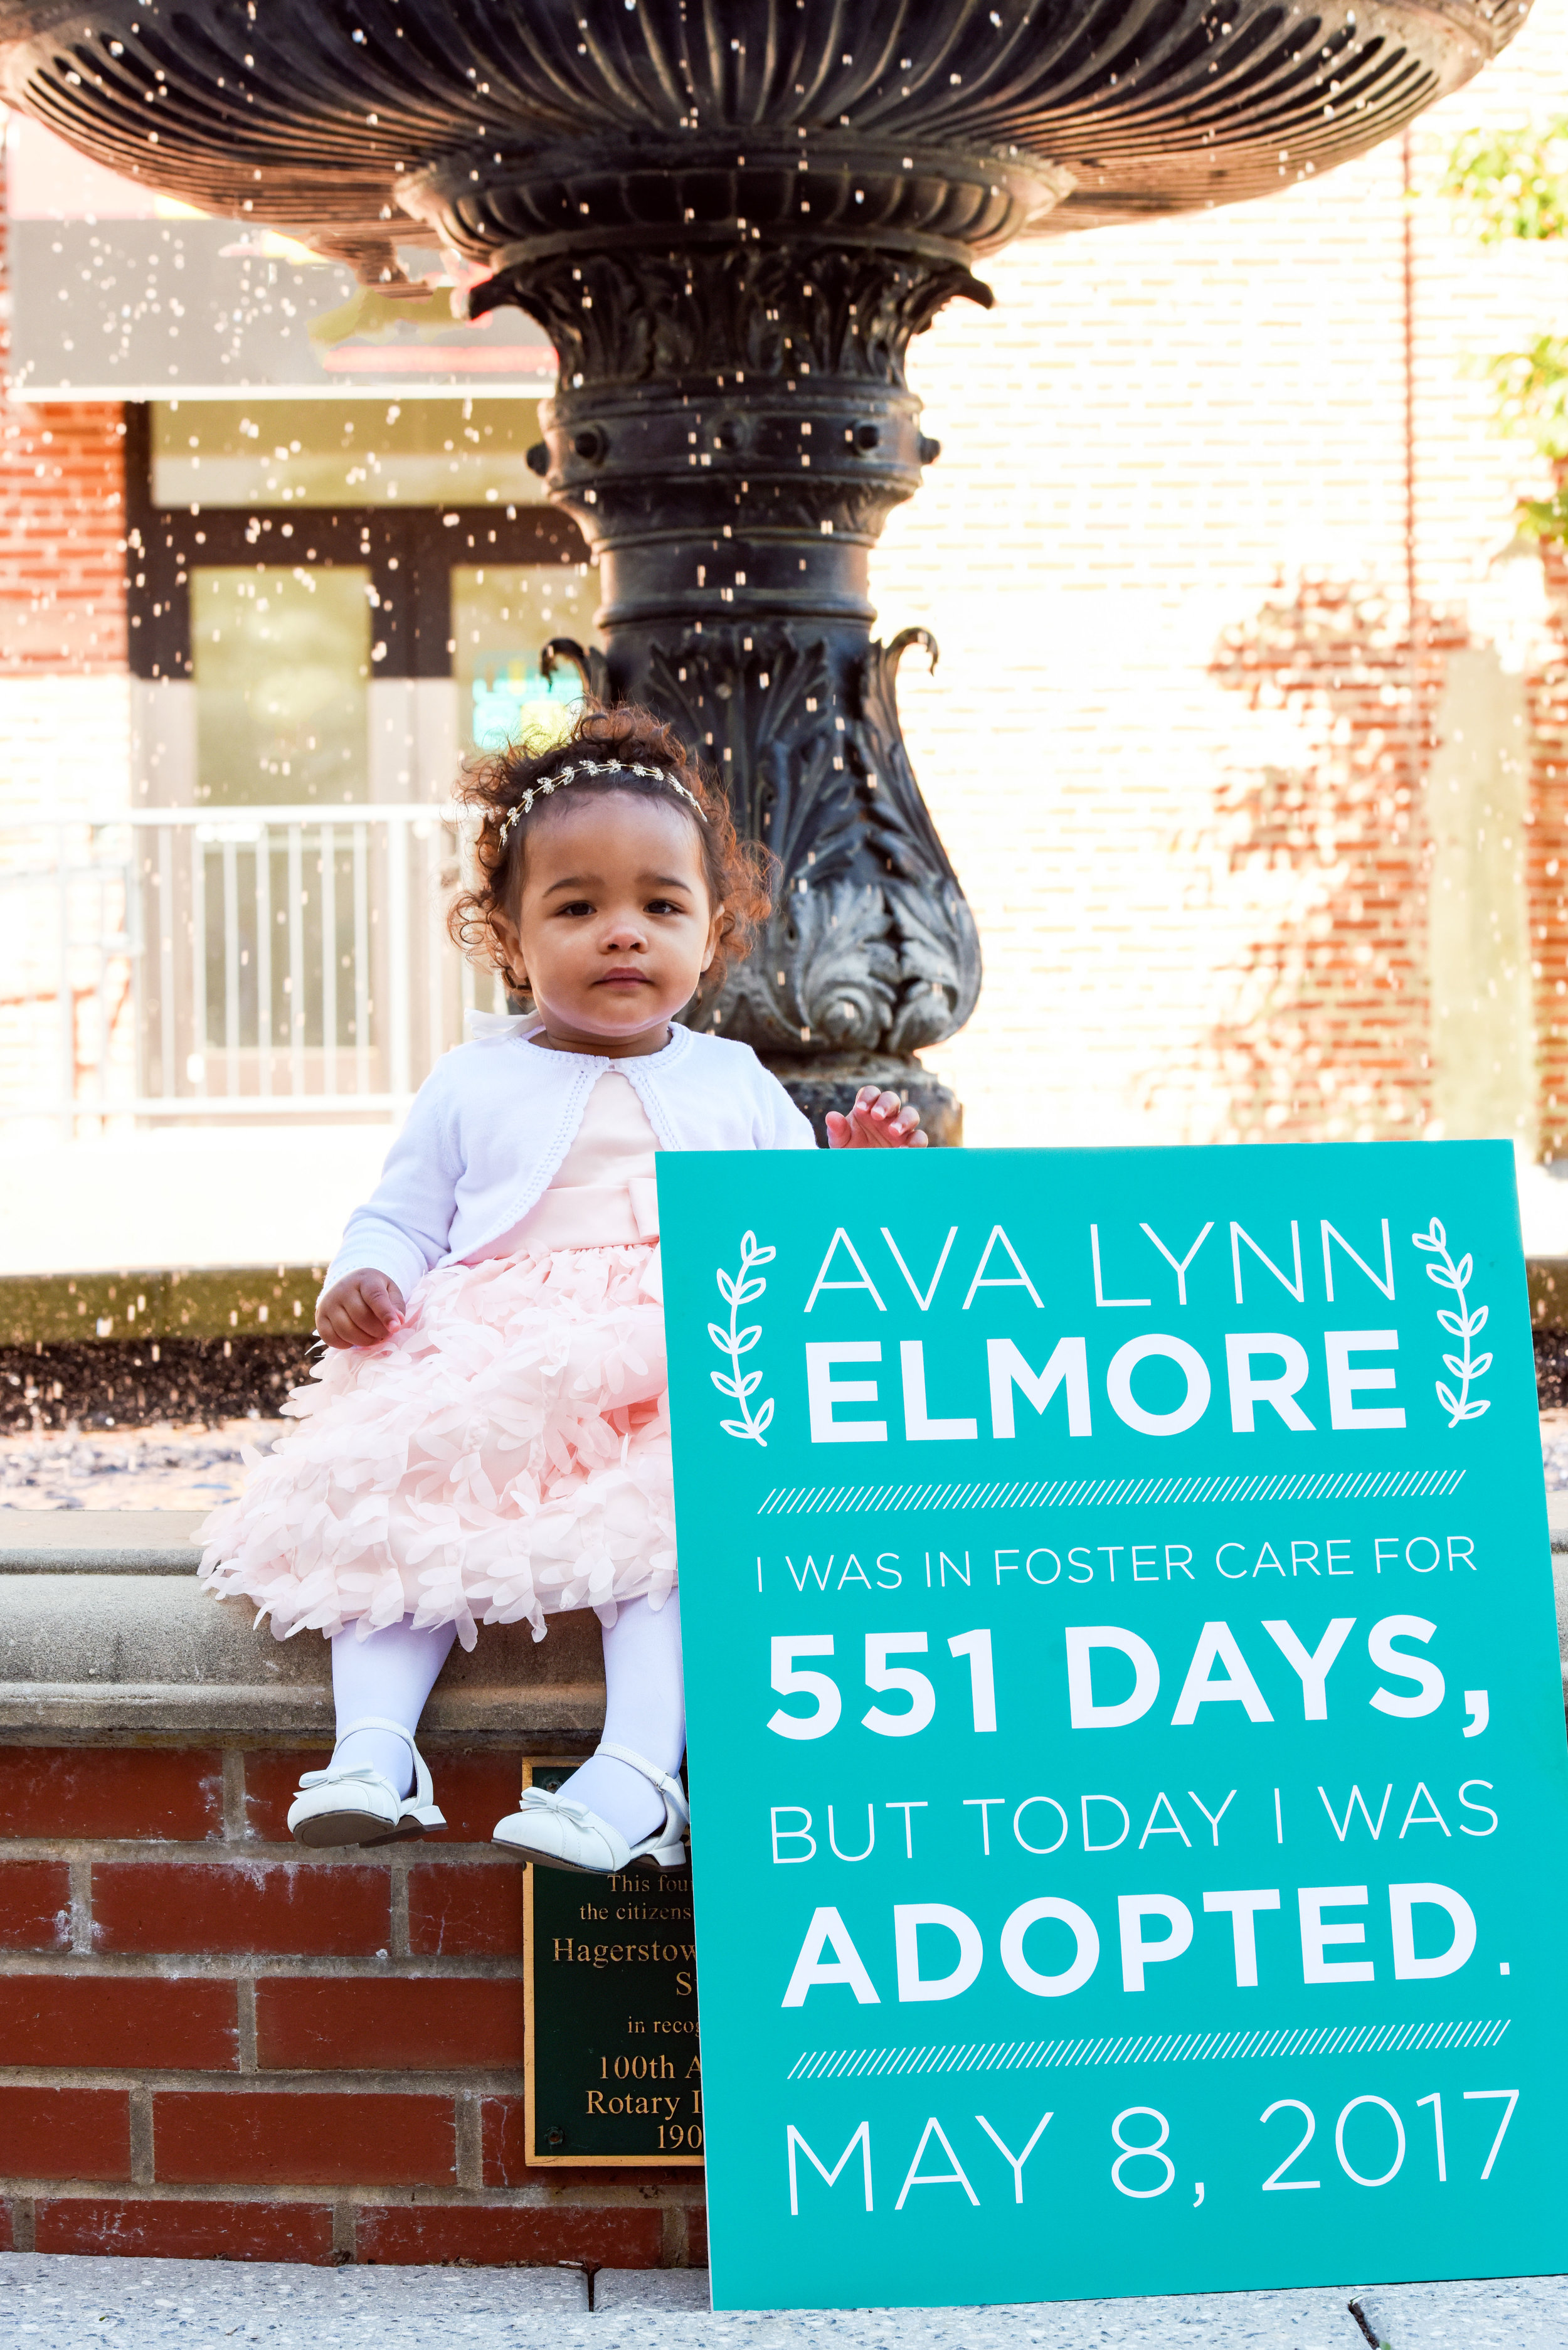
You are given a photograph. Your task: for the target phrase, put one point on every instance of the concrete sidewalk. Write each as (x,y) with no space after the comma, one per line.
(58,2303)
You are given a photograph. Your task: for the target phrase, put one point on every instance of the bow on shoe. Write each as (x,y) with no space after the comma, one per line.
(545,1799)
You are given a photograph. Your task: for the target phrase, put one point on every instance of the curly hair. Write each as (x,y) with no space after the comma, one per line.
(737,872)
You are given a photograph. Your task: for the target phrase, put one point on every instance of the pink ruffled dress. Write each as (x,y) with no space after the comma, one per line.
(502,1456)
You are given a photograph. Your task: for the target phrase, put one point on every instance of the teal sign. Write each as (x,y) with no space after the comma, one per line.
(1127,1733)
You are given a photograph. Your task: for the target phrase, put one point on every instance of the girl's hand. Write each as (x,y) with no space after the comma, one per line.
(360,1310)
(877,1123)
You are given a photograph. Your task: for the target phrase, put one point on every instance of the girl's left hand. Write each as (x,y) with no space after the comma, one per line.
(877,1123)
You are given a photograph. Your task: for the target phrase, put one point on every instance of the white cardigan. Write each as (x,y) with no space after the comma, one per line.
(495,1117)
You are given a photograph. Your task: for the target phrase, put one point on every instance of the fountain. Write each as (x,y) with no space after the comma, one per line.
(731,219)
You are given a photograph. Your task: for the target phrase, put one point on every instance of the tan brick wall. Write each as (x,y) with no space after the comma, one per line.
(1200,870)
(64,717)
(65,750)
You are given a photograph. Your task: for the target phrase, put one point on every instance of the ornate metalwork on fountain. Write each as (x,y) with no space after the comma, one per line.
(872,951)
(750,398)
(315,115)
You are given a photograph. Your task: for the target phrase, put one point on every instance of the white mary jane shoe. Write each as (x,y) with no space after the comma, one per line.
(342,1806)
(559,1834)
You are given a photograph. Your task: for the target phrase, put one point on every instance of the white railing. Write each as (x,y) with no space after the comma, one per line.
(227,963)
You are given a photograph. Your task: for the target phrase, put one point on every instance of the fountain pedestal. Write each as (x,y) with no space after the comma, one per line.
(733,503)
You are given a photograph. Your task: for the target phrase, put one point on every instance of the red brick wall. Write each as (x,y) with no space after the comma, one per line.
(62,523)
(1329,1039)
(1547,859)
(217,2045)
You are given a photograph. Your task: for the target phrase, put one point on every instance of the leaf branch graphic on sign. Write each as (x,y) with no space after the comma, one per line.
(1464,1322)
(742,1289)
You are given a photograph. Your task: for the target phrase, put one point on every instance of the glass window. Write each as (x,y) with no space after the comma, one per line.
(282,662)
(356,453)
(502,613)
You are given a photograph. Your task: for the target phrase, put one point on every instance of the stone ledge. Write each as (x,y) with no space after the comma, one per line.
(108,1542)
(568,1717)
(92,1638)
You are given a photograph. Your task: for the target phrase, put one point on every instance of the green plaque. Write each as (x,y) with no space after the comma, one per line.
(614,2068)
(1127,1725)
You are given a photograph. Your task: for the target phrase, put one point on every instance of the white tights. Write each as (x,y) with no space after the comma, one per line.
(645,1709)
(392,1672)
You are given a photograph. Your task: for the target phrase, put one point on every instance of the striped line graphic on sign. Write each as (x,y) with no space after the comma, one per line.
(1105,1493)
(1169,2048)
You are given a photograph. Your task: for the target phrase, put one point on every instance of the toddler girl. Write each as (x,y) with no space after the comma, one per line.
(488,1439)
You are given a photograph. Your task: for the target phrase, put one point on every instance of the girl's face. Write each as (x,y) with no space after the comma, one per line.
(613,928)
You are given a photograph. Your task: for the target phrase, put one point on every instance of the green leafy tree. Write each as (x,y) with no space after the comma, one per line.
(1515,185)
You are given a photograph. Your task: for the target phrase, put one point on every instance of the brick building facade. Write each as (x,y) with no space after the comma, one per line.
(1250,702)
(1247,738)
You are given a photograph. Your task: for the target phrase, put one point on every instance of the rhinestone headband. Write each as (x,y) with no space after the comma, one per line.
(565,775)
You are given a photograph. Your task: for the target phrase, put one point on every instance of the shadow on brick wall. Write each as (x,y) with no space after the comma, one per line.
(1320,851)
